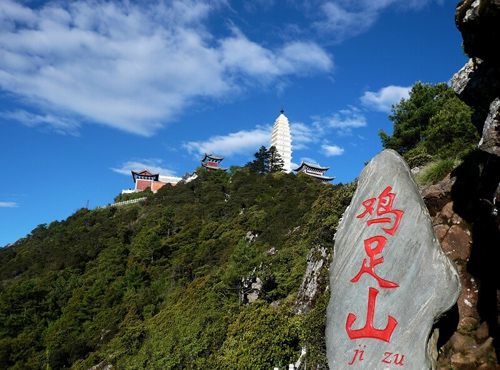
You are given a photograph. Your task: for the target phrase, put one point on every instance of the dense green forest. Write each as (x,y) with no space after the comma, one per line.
(158,284)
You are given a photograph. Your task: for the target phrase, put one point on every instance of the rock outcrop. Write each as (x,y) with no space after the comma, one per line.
(386,246)
(477,20)
(467,343)
(478,82)
(315,279)
(475,193)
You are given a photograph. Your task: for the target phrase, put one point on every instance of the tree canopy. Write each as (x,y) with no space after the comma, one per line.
(266,161)
(432,122)
(156,285)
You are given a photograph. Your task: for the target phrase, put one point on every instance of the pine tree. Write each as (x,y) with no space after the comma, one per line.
(260,163)
(275,162)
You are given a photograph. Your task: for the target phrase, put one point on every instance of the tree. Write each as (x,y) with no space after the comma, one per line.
(266,161)
(275,162)
(432,122)
(260,163)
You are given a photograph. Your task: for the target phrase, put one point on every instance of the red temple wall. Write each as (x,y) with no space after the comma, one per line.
(142,184)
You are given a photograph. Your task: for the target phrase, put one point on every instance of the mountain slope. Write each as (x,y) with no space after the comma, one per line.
(158,284)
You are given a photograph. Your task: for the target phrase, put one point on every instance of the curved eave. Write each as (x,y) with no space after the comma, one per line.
(314,166)
(214,168)
(211,156)
(319,177)
(154,176)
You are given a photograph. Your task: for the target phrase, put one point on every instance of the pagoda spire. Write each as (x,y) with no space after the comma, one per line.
(282,140)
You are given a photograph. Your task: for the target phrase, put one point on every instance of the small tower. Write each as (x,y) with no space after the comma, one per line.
(314,170)
(282,141)
(212,162)
(144,179)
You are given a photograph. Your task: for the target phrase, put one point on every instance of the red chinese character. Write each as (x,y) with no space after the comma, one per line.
(369,331)
(372,252)
(384,207)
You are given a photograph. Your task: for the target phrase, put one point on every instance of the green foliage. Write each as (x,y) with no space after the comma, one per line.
(260,163)
(431,123)
(261,337)
(266,161)
(157,284)
(140,194)
(275,162)
(436,171)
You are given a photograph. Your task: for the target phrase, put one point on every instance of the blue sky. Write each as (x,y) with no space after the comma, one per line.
(92,89)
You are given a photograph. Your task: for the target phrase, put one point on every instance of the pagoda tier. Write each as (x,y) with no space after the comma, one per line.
(212,162)
(314,170)
(282,141)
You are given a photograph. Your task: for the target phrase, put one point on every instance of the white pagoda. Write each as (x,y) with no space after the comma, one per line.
(282,141)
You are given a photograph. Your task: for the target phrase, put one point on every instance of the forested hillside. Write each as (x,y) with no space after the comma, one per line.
(157,285)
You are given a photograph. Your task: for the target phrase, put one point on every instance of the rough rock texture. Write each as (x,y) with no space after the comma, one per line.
(476,190)
(477,20)
(102,366)
(478,82)
(314,280)
(468,344)
(381,315)
(490,141)
(250,288)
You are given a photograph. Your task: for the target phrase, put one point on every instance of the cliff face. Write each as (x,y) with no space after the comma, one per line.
(465,204)
(465,339)
(478,82)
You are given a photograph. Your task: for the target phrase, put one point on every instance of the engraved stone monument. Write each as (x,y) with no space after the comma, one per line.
(389,278)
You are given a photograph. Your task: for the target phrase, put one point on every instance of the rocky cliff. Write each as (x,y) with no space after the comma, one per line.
(464,205)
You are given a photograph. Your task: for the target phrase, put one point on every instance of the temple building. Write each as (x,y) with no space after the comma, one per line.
(154,181)
(212,162)
(314,170)
(282,141)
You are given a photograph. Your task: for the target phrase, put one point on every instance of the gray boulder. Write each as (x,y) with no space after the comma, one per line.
(390,279)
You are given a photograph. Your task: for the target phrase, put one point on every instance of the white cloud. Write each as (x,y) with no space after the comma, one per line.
(342,19)
(331,150)
(383,99)
(58,124)
(153,165)
(302,134)
(8,205)
(343,121)
(132,66)
(340,23)
(241,142)
(309,160)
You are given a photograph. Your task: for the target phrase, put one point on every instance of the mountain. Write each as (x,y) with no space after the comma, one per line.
(166,283)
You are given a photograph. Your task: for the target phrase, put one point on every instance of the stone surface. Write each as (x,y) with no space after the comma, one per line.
(381,324)
(477,20)
(313,280)
(478,82)
(456,244)
(470,344)
(490,141)
(438,195)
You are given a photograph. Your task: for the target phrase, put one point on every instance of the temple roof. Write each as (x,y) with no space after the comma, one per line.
(320,177)
(211,156)
(313,166)
(214,167)
(145,173)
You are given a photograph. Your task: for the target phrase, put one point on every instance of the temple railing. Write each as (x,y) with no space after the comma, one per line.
(131,201)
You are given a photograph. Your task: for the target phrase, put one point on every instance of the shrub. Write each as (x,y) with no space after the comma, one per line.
(436,171)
